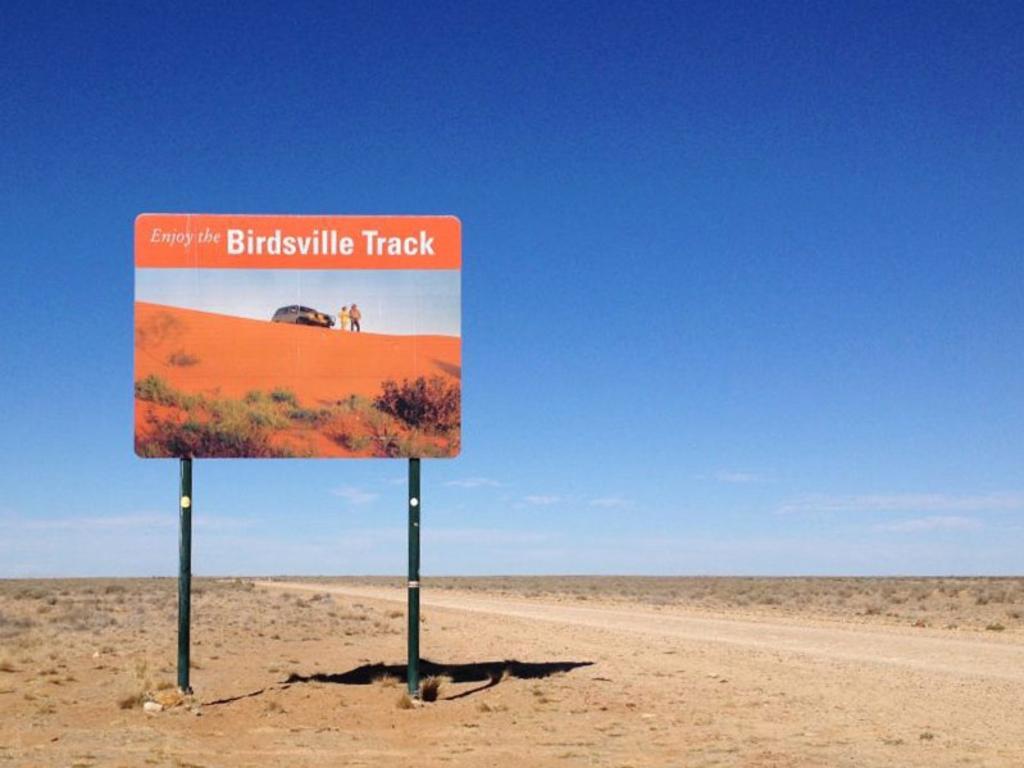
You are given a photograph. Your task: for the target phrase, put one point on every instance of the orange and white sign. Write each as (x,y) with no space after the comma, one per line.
(297,336)
(297,242)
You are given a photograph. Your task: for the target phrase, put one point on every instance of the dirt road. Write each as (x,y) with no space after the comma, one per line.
(808,693)
(935,651)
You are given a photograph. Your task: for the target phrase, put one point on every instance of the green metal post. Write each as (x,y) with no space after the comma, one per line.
(414,577)
(184,574)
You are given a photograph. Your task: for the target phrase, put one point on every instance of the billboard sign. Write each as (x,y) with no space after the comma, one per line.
(297,336)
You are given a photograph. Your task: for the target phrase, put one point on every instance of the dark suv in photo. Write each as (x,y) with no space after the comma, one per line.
(302,316)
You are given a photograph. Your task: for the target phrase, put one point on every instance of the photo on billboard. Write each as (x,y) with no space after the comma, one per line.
(304,337)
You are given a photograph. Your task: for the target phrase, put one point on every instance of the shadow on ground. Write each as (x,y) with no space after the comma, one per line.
(490,673)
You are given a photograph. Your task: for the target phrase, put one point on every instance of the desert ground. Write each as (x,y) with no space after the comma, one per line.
(537,671)
(215,385)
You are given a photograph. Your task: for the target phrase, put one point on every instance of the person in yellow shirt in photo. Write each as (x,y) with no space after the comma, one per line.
(344,319)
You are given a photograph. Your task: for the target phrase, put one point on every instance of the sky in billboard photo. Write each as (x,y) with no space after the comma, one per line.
(403,302)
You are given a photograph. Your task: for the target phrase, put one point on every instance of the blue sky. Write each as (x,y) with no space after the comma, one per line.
(741,285)
(415,301)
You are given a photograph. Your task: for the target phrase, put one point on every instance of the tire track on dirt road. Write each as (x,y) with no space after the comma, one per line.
(996,658)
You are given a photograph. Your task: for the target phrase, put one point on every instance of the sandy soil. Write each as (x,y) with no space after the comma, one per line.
(210,385)
(303,674)
(234,355)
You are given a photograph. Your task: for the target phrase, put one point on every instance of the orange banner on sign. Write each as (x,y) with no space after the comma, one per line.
(297,242)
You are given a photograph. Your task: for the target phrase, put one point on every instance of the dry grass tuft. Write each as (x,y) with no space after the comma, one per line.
(386,681)
(431,686)
(405,702)
(132,701)
(12,626)
(169,698)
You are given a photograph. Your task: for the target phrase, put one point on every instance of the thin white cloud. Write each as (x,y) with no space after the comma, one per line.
(388,540)
(932,523)
(141,521)
(738,478)
(220,523)
(473,482)
(89,523)
(355,495)
(541,500)
(906,502)
(612,502)
(484,536)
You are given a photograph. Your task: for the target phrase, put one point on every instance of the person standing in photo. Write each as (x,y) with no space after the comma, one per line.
(344,319)
(355,316)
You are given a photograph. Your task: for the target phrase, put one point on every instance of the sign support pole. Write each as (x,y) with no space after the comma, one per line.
(184,573)
(413,665)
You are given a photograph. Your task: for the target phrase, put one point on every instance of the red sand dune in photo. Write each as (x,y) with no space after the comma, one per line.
(229,356)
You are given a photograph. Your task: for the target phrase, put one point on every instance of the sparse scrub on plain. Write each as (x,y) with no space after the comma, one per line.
(963,603)
(430,687)
(12,626)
